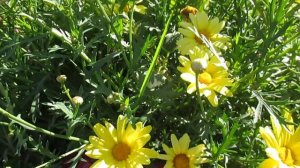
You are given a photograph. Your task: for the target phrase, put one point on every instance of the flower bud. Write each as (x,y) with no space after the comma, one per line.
(61,79)
(187,10)
(77,100)
(110,99)
(198,65)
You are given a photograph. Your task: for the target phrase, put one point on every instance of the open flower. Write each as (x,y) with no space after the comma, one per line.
(283,144)
(121,146)
(200,24)
(213,77)
(181,156)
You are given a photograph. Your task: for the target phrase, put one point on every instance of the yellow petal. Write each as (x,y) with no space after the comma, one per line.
(140,9)
(267,134)
(188,77)
(175,144)
(184,142)
(95,153)
(273,154)
(191,88)
(212,97)
(202,20)
(269,163)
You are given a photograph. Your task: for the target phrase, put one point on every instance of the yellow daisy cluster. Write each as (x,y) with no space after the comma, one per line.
(123,147)
(283,144)
(202,42)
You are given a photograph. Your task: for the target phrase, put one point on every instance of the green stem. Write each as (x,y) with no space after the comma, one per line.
(61,156)
(130,32)
(67,92)
(32,127)
(154,60)
(198,93)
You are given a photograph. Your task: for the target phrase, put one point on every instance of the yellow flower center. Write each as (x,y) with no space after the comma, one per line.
(121,151)
(286,156)
(181,161)
(199,40)
(205,78)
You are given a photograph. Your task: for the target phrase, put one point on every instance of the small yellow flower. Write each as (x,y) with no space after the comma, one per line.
(283,144)
(200,24)
(120,147)
(213,77)
(136,8)
(181,156)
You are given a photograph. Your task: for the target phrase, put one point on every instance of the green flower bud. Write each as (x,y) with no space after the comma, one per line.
(61,79)
(198,65)
(77,100)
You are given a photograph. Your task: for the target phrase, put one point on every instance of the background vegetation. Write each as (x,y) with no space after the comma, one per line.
(106,53)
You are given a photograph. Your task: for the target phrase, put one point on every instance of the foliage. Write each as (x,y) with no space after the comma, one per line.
(123,62)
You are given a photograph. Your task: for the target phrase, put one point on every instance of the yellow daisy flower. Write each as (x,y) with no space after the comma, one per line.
(181,156)
(200,24)
(283,144)
(120,147)
(212,78)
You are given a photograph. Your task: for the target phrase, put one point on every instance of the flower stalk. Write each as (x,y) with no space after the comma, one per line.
(32,127)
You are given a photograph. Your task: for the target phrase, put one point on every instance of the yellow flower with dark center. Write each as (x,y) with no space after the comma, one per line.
(283,144)
(200,24)
(181,156)
(213,77)
(120,147)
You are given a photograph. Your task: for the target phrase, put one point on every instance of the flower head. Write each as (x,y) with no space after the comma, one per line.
(120,147)
(77,100)
(213,77)
(200,24)
(61,79)
(283,144)
(181,156)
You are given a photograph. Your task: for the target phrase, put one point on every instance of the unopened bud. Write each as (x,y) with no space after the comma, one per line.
(110,99)
(77,100)
(123,107)
(187,10)
(61,78)
(198,65)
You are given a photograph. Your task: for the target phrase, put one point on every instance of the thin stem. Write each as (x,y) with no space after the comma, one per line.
(61,156)
(198,93)
(32,127)
(154,60)
(67,92)
(130,33)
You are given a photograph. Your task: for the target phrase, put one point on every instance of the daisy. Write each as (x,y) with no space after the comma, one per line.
(198,25)
(121,147)
(212,78)
(283,144)
(181,156)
